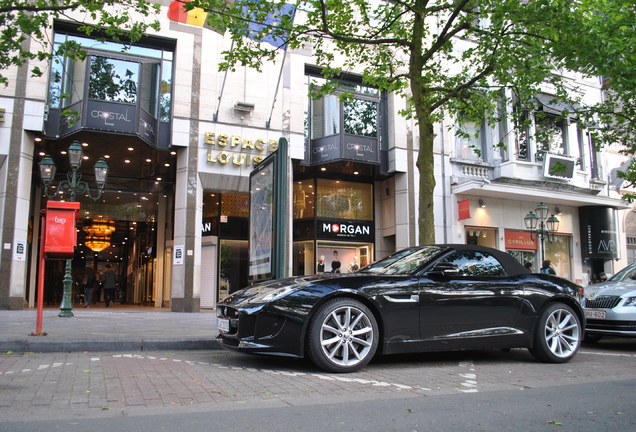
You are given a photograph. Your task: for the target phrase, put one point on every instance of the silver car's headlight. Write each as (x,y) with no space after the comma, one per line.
(631,301)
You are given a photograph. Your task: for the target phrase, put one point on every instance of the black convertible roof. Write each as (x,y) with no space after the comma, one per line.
(512,266)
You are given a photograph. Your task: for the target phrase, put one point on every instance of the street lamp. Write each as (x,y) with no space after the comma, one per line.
(73,185)
(541,226)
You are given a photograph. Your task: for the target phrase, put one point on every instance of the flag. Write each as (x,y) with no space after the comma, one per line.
(196,16)
(262,30)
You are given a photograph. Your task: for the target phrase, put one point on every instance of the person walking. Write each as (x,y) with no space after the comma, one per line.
(109,280)
(546,268)
(88,283)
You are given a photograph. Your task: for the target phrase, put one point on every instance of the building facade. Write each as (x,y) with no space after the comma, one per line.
(181,139)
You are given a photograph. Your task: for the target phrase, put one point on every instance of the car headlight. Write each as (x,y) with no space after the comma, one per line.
(631,301)
(278,293)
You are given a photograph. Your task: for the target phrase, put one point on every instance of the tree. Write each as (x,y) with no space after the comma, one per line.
(21,20)
(464,58)
(605,45)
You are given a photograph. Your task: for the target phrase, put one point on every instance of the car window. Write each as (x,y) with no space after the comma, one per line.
(627,273)
(474,263)
(404,262)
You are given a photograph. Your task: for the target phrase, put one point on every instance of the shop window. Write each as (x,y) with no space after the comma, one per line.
(361,117)
(551,133)
(481,236)
(342,257)
(304,262)
(233,258)
(303,197)
(469,141)
(631,249)
(325,117)
(352,109)
(337,199)
(558,252)
(521,125)
(235,205)
(142,75)
(113,80)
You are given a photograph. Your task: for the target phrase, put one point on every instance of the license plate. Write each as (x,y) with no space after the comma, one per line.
(223,324)
(595,314)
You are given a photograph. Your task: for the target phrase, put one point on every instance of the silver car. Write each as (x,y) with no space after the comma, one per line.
(610,307)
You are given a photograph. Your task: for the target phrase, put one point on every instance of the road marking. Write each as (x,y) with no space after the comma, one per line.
(469,385)
(40,367)
(608,354)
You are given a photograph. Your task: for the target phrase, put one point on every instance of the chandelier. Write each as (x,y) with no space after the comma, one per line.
(100,227)
(97,243)
(99,232)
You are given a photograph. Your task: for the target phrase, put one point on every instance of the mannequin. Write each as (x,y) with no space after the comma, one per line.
(354,265)
(320,266)
(335,263)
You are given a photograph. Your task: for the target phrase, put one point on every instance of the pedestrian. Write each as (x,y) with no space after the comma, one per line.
(109,279)
(602,277)
(546,268)
(88,284)
(528,265)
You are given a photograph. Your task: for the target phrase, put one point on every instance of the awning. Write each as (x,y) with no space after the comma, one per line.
(535,193)
(549,105)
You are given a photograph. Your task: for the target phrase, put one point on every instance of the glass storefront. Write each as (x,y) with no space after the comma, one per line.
(481,236)
(225,216)
(330,257)
(333,226)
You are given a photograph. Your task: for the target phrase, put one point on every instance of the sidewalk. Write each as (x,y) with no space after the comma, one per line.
(99,329)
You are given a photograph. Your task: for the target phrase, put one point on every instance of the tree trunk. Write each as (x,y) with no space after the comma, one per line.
(426,169)
(425,160)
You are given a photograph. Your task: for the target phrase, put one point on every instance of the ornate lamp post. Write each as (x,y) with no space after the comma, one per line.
(73,185)
(541,226)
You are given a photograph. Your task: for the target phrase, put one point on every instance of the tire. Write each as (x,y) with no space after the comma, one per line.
(558,334)
(342,336)
(592,337)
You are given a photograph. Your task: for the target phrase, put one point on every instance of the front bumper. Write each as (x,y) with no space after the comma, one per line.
(260,332)
(618,321)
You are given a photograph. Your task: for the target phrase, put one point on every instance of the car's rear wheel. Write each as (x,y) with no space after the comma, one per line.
(558,334)
(342,336)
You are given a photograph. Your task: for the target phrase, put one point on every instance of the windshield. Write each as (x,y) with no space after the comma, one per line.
(627,273)
(403,262)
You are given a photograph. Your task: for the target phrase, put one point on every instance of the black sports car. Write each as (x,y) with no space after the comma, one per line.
(428,298)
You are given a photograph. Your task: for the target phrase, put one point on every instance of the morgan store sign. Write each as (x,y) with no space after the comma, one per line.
(347,230)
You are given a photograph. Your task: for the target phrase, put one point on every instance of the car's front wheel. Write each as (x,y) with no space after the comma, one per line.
(342,336)
(558,334)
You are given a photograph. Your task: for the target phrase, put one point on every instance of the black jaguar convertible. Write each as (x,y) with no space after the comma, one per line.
(428,298)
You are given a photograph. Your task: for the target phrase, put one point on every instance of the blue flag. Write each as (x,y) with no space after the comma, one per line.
(262,30)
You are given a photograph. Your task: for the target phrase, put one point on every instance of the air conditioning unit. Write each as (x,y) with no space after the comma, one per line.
(244,107)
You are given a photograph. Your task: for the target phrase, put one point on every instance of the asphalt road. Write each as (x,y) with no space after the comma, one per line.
(224,391)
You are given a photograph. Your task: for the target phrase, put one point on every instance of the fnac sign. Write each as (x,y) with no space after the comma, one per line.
(60,235)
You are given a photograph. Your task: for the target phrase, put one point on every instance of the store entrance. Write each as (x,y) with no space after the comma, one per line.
(127,225)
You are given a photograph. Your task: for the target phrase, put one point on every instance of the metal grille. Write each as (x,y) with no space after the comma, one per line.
(606,302)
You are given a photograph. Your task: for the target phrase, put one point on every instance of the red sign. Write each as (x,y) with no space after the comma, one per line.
(60,236)
(519,240)
(463,209)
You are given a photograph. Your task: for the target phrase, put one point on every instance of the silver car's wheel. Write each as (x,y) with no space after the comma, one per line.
(558,335)
(342,336)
